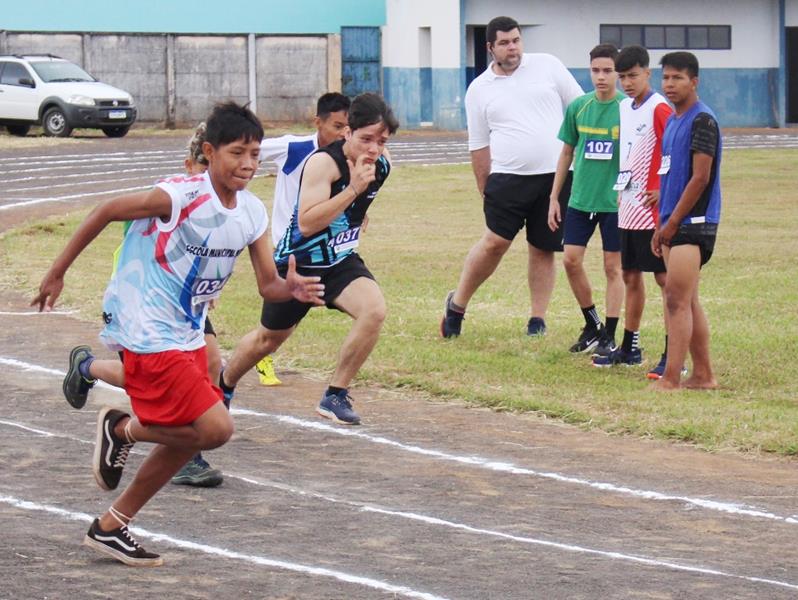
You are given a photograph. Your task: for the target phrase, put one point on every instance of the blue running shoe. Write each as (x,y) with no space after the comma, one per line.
(619,357)
(657,372)
(198,473)
(338,408)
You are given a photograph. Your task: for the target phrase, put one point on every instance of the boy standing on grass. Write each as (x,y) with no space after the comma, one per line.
(689,214)
(590,141)
(643,117)
(176,258)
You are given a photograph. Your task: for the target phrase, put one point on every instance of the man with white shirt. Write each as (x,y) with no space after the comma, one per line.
(514,111)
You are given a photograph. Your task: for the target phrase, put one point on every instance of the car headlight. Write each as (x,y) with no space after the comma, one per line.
(80,100)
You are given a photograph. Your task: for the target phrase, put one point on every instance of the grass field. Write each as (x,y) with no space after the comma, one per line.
(423,223)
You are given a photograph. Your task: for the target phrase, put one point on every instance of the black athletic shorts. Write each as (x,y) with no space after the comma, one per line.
(702,235)
(208,327)
(514,201)
(636,254)
(284,315)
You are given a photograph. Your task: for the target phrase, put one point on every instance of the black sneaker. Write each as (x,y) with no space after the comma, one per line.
(588,339)
(536,326)
(606,345)
(110,452)
(198,473)
(619,357)
(76,387)
(452,321)
(119,544)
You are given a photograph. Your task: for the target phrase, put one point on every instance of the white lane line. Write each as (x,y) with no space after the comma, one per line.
(115,180)
(30,313)
(72,197)
(262,561)
(438,522)
(16,159)
(116,172)
(733,508)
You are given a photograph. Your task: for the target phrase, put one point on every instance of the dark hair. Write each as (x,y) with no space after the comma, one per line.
(500,24)
(604,51)
(331,102)
(229,122)
(681,61)
(630,57)
(368,109)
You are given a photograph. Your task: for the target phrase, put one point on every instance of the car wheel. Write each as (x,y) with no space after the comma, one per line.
(116,132)
(20,130)
(55,123)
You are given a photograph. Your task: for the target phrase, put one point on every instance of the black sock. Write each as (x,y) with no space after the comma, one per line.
(334,390)
(228,389)
(665,352)
(631,340)
(611,326)
(591,317)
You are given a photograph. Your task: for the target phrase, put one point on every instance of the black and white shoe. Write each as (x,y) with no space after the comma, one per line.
(110,452)
(588,339)
(119,544)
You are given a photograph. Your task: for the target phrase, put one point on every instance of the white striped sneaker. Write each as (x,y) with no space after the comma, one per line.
(119,544)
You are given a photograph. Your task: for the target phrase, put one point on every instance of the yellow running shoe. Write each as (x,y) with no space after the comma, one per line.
(265,369)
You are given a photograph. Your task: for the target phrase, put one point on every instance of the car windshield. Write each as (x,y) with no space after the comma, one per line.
(57,70)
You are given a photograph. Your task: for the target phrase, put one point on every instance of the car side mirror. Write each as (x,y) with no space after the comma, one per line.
(27,82)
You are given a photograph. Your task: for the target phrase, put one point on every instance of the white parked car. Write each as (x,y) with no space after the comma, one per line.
(60,96)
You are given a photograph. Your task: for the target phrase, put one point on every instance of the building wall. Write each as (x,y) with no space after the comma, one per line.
(198,16)
(422,75)
(178,78)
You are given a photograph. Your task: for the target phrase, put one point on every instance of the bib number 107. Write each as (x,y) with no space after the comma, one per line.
(598,149)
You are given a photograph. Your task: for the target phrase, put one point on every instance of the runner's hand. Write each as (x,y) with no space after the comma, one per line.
(304,289)
(554,214)
(651,198)
(361,173)
(49,290)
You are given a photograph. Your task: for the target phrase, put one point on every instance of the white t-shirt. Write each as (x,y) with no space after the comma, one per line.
(289,153)
(167,272)
(519,115)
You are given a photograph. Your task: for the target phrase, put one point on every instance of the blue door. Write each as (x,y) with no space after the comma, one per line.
(361,60)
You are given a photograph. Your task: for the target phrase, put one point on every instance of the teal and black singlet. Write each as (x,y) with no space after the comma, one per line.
(341,237)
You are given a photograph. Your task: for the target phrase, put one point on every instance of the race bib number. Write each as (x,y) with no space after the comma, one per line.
(346,240)
(624,177)
(665,165)
(599,149)
(205,290)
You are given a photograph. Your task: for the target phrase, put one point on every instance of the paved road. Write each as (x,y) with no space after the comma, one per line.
(97,167)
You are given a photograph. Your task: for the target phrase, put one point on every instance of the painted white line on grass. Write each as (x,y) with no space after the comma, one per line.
(737,509)
(262,561)
(438,522)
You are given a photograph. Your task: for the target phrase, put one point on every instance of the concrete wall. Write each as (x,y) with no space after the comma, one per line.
(178,78)
(570,29)
(422,76)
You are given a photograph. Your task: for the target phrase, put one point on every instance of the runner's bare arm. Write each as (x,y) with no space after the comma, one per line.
(563,164)
(152,203)
(480,164)
(316,209)
(274,288)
